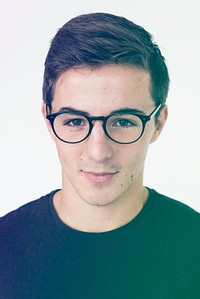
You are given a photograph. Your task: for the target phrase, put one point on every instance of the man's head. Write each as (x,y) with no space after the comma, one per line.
(103,74)
(100,39)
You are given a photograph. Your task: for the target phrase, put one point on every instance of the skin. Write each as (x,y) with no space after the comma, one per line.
(102,181)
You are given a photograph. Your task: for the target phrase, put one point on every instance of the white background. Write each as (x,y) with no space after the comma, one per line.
(29,166)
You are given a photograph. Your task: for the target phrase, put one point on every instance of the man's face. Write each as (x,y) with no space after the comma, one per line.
(99,171)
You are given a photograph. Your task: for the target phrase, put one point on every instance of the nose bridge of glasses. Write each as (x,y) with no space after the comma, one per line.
(93,119)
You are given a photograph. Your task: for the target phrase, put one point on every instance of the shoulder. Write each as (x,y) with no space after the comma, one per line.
(172,205)
(175,215)
(25,215)
(176,225)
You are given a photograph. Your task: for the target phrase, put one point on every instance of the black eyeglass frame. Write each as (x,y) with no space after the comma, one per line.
(143,117)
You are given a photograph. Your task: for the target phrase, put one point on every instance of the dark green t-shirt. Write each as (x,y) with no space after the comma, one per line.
(155,256)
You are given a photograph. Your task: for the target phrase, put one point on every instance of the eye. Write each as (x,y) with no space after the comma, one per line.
(124,123)
(75,122)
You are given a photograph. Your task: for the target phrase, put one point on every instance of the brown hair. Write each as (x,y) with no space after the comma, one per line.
(98,39)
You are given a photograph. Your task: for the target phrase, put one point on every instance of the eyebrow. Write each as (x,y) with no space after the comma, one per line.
(73,111)
(118,111)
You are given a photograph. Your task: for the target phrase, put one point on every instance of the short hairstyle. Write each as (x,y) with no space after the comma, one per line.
(98,39)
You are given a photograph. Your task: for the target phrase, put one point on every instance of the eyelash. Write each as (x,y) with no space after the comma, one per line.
(130,123)
(71,122)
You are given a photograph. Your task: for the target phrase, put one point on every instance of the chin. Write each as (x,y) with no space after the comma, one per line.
(99,200)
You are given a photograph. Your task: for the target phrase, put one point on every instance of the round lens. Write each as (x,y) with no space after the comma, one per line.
(124,128)
(71,128)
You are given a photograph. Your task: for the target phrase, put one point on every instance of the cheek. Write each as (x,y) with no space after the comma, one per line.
(134,159)
(68,154)
(137,164)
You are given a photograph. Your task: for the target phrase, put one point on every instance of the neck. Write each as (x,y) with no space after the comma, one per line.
(82,216)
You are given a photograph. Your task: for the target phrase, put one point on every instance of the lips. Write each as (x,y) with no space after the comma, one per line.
(99,178)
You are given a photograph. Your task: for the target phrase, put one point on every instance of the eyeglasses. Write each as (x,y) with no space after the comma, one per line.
(123,126)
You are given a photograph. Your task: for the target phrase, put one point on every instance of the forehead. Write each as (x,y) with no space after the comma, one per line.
(103,89)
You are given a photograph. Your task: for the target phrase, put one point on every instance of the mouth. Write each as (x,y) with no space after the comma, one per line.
(99,178)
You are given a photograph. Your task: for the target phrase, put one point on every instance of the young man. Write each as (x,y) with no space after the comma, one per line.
(103,235)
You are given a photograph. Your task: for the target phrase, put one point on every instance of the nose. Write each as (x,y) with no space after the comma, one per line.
(99,147)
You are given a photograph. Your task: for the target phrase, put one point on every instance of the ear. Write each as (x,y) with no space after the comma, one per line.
(160,123)
(47,121)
